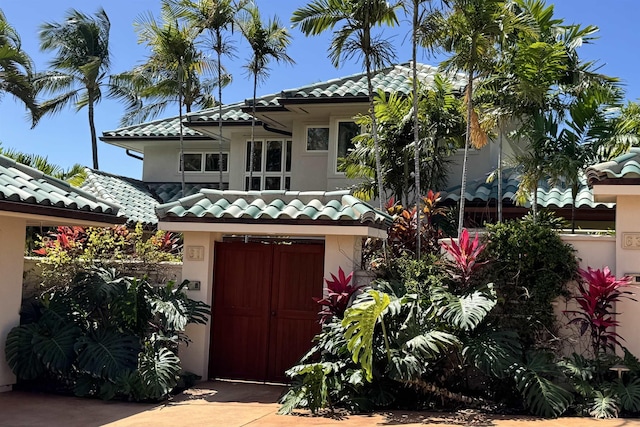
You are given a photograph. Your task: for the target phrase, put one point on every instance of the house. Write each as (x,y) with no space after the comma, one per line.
(270,242)
(30,198)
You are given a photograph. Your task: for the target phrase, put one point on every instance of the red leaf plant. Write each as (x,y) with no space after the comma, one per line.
(464,257)
(68,238)
(599,290)
(339,291)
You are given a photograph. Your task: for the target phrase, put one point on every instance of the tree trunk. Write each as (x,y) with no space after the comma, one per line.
(374,134)
(92,127)
(180,98)
(416,125)
(218,51)
(463,186)
(499,201)
(253,127)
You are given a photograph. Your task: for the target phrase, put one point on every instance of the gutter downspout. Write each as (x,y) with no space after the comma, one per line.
(274,130)
(135,156)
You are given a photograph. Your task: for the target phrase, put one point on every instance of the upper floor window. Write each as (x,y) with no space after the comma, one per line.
(318,138)
(346,132)
(205,162)
(271,165)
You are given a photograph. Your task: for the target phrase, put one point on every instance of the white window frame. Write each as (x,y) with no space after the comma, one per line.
(203,156)
(306,138)
(334,151)
(263,174)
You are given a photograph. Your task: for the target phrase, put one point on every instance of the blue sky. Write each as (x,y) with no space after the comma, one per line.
(65,139)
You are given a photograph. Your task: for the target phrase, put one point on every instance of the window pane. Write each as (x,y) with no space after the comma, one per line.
(272,183)
(288,160)
(192,162)
(212,163)
(257,156)
(287,183)
(317,139)
(346,132)
(256,183)
(274,156)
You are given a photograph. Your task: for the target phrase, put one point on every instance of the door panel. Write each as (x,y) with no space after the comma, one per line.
(264,315)
(241,311)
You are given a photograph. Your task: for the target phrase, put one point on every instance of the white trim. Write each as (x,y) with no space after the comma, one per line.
(283,174)
(274,229)
(306,139)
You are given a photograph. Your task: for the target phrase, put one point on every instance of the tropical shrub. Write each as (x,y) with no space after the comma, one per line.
(339,292)
(67,251)
(103,335)
(530,268)
(599,291)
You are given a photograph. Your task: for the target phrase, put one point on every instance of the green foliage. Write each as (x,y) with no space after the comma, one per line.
(105,336)
(466,311)
(604,405)
(530,268)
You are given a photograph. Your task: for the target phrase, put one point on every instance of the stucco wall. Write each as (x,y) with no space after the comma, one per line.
(12,238)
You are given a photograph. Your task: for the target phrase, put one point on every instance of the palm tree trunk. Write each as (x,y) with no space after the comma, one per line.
(180,97)
(92,127)
(463,186)
(218,51)
(374,133)
(500,172)
(416,130)
(253,127)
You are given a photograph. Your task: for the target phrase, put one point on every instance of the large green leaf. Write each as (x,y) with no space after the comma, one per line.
(541,396)
(159,372)
(21,357)
(465,312)
(107,353)
(604,405)
(55,348)
(628,394)
(493,352)
(360,322)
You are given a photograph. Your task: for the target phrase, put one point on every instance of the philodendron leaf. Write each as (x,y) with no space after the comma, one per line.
(360,322)
(56,349)
(21,357)
(107,354)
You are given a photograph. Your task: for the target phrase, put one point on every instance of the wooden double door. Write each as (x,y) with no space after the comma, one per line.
(264,315)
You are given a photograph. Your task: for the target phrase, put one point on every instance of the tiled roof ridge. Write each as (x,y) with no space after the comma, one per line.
(616,168)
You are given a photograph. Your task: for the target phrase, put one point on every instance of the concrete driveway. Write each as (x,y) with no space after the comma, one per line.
(228,404)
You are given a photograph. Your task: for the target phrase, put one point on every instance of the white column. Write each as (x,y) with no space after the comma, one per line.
(342,251)
(12,238)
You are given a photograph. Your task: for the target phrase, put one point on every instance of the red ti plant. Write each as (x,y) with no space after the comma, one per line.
(68,238)
(339,291)
(464,257)
(599,291)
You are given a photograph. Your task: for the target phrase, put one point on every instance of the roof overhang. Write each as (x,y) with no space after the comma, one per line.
(264,229)
(48,216)
(607,190)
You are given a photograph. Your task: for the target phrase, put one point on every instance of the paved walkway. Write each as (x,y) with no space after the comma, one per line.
(226,404)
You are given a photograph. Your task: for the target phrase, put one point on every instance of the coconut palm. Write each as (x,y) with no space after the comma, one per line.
(216,17)
(268,41)
(354,38)
(80,66)
(171,74)
(16,68)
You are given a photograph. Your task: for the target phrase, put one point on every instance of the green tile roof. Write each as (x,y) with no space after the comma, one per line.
(137,202)
(558,196)
(171,191)
(625,166)
(28,187)
(273,207)
(392,79)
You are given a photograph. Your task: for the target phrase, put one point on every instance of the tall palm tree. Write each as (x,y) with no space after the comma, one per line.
(16,68)
(216,17)
(473,29)
(80,66)
(171,73)
(268,42)
(354,38)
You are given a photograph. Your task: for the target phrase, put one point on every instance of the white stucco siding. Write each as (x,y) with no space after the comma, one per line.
(12,238)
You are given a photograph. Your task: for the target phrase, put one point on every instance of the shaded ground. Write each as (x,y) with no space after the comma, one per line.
(228,404)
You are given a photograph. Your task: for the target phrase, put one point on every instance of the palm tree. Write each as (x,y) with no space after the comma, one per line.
(75,175)
(354,39)
(79,67)
(16,68)
(216,17)
(171,73)
(268,42)
(472,30)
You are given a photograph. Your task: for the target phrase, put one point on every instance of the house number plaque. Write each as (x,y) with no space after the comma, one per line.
(631,240)
(196,253)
